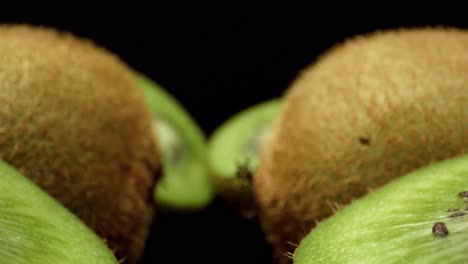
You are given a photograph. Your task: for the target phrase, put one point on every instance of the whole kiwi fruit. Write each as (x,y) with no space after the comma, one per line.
(74,121)
(369,110)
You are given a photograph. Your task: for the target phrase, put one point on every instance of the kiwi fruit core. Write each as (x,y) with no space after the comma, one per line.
(35,228)
(234,149)
(172,146)
(186,183)
(419,218)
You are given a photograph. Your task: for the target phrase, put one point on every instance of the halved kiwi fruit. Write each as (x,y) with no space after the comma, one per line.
(234,149)
(419,218)
(371,109)
(73,120)
(35,228)
(186,183)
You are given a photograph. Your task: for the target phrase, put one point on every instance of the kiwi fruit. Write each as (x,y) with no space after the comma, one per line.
(35,228)
(186,184)
(74,121)
(371,109)
(233,152)
(419,218)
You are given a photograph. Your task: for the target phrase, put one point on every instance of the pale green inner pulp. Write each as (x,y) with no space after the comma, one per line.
(172,147)
(255,143)
(34,228)
(186,183)
(240,140)
(394,223)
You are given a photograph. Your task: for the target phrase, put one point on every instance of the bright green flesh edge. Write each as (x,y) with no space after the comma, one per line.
(34,228)
(186,185)
(394,224)
(226,149)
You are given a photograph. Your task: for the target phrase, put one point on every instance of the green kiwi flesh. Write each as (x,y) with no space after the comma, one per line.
(235,146)
(35,228)
(240,139)
(186,183)
(419,218)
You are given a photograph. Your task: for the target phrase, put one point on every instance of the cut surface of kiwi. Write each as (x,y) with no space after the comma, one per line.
(186,183)
(234,148)
(419,218)
(240,139)
(35,228)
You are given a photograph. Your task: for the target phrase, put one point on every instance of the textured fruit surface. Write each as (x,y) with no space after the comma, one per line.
(419,218)
(35,228)
(234,149)
(186,183)
(73,120)
(371,109)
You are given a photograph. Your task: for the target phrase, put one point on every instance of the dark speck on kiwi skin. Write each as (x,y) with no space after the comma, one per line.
(364,141)
(440,230)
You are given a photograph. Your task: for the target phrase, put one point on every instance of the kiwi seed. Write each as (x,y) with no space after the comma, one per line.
(457,214)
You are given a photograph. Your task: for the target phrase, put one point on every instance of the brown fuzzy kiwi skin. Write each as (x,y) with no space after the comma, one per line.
(373,108)
(73,120)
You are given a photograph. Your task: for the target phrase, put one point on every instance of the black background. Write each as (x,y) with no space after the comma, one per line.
(217,60)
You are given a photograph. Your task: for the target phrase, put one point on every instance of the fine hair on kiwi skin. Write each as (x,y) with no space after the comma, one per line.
(74,121)
(369,110)
(421,217)
(35,228)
